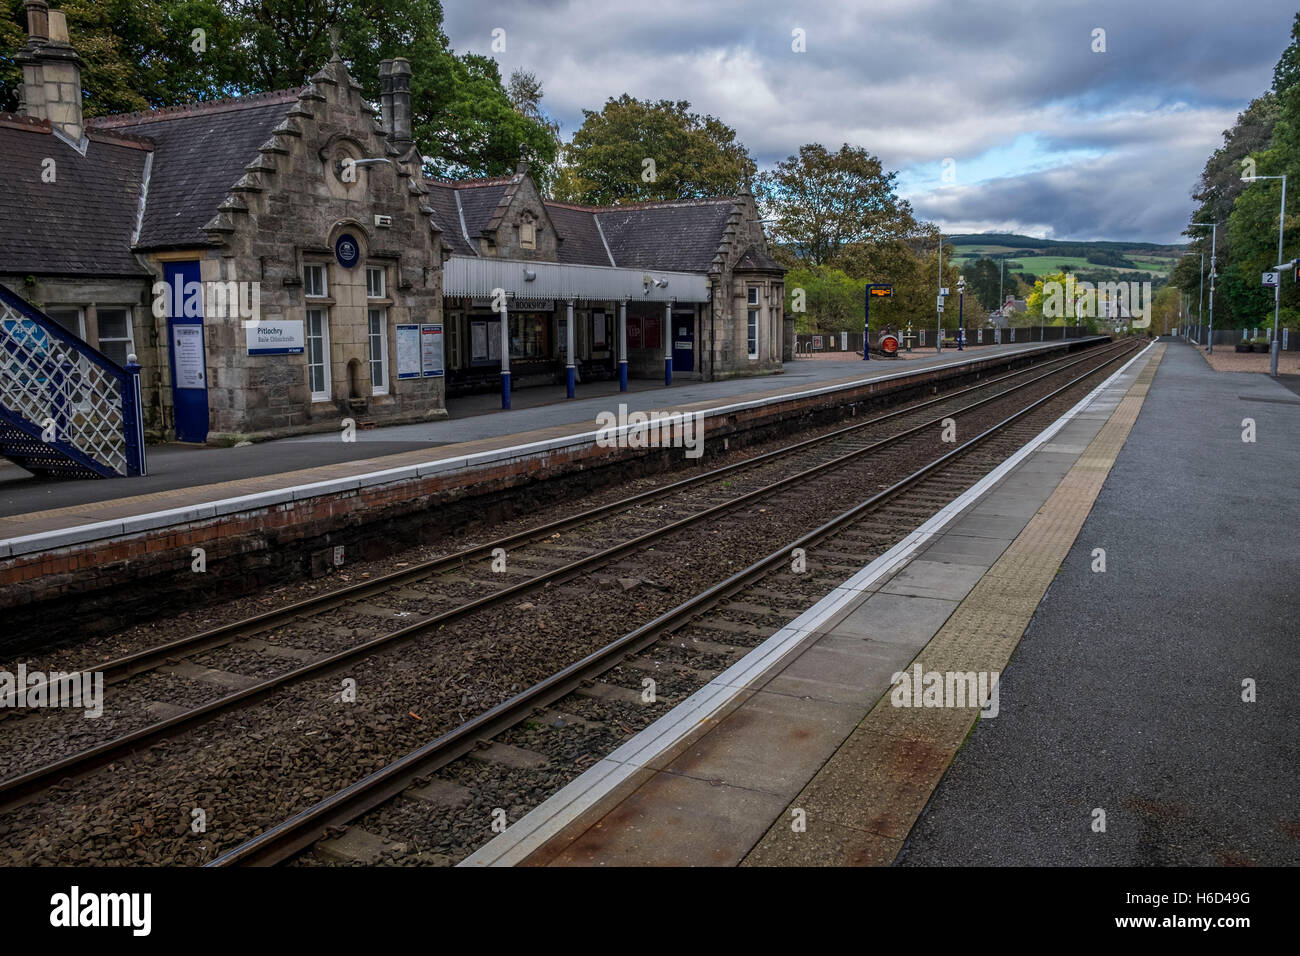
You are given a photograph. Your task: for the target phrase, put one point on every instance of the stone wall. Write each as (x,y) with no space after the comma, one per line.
(298,197)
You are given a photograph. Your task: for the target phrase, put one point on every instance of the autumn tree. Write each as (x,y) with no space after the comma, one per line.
(823,201)
(641,151)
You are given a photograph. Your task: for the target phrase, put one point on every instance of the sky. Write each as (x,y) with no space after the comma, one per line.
(997,115)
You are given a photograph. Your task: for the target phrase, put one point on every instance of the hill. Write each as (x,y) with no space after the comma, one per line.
(1040,257)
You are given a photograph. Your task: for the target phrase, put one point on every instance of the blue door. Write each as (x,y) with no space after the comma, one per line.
(683,341)
(185,347)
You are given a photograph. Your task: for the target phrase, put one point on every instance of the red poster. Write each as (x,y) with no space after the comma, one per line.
(652,340)
(633,332)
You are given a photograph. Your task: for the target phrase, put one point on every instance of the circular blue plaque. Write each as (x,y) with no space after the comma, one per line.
(347,250)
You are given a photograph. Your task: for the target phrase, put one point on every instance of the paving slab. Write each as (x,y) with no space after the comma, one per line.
(1125,692)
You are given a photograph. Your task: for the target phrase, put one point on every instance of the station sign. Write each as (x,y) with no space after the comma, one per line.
(278,337)
(1270,279)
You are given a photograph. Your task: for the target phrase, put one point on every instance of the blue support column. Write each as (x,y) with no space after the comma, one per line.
(133,420)
(569,356)
(668,343)
(505,358)
(622,346)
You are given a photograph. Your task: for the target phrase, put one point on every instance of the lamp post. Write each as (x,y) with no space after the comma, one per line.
(1200,297)
(1277,289)
(938,330)
(961,333)
(1214,244)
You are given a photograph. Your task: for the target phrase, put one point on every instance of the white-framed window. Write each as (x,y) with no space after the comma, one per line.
(318,354)
(378,338)
(752,333)
(115,336)
(313,280)
(71,318)
(376,286)
(753,295)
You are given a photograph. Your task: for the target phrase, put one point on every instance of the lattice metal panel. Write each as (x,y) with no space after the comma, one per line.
(49,383)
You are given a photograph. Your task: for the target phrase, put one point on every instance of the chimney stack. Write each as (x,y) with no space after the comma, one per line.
(399,131)
(51,71)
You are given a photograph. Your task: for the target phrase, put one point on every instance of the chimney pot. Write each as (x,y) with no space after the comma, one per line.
(38,21)
(400,131)
(58,27)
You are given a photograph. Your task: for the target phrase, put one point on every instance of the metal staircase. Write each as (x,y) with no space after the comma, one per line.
(66,410)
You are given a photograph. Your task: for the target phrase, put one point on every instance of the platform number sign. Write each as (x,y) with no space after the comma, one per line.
(1270,279)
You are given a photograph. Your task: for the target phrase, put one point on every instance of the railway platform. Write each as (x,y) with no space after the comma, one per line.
(315,493)
(806,751)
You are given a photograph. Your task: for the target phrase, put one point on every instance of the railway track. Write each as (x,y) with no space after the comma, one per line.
(713,628)
(799,465)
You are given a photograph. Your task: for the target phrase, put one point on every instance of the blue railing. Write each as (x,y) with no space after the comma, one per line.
(65,408)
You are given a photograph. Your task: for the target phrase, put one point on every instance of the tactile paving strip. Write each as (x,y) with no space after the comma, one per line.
(863,802)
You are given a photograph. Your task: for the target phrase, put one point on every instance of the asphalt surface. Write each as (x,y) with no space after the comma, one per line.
(469,418)
(1125,693)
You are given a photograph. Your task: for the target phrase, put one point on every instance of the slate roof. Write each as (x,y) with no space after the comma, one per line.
(83,221)
(478,203)
(681,237)
(580,240)
(200,152)
(755,259)
(442,200)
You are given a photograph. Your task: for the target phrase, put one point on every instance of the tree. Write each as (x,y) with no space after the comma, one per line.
(984,279)
(136,54)
(911,266)
(525,92)
(144,54)
(823,201)
(824,299)
(641,151)
(1287,71)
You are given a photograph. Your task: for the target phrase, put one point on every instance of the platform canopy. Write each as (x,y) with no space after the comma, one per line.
(525,279)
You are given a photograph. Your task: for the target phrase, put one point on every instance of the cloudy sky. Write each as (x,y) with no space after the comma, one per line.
(1044,135)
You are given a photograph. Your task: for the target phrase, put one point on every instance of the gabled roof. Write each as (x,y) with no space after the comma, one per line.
(81,222)
(754,259)
(683,236)
(580,240)
(200,151)
(464,208)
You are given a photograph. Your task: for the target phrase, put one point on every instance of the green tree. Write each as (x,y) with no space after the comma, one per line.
(983,279)
(642,151)
(143,54)
(822,202)
(824,299)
